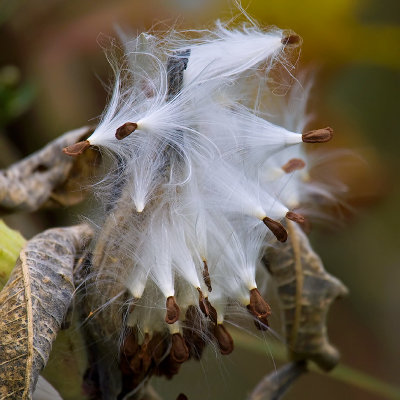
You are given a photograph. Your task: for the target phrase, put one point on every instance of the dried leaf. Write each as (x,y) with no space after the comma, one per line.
(33,305)
(305,291)
(275,385)
(47,177)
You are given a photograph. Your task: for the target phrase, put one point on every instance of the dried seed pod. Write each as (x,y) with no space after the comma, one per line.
(47,178)
(176,66)
(159,224)
(306,292)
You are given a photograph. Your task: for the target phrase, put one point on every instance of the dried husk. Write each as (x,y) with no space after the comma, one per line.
(305,292)
(33,305)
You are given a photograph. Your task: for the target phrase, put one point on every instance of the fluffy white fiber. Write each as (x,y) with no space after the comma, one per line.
(199,183)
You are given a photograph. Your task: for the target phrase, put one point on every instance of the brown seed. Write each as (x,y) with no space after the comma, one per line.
(77,148)
(146,361)
(141,360)
(179,350)
(318,136)
(295,217)
(125,130)
(261,323)
(291,39)
(206,276)
(194,324)
(131,306)
(135,363)
(182,396)
(276,228)
(192,315)
(157,348)
(145,343)
(145,354)
(203,304)
(168,367)
(294,165)
(224,339)
(212,312)
(258,306)
(130,344)
(173,310)
(124,365)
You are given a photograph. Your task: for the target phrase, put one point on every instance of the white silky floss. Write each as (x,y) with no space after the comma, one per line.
(206,182)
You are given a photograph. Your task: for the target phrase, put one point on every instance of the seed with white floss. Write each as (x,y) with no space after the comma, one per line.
(200,179)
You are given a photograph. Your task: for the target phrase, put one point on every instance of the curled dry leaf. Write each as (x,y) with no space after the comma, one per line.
(33,304)
(47,177)
(275,385)
(305,291)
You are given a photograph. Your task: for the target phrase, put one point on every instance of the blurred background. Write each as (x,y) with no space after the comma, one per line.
(53,77)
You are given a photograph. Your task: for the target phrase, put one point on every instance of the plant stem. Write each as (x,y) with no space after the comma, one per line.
(342,372)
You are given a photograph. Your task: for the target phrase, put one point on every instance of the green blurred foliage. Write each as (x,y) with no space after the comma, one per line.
(334,31)
(11,243)
(15,97)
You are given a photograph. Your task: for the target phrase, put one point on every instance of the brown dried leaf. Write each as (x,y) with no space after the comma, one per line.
(305,291)
(33,304)
(275,385)
(47,177)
